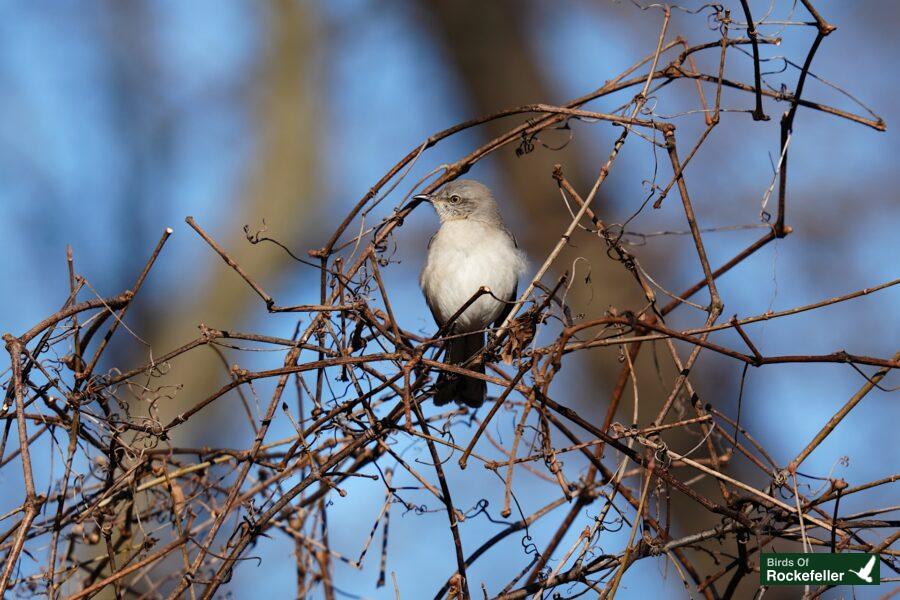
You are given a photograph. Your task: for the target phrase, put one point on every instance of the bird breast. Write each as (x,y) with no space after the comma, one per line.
(465,255)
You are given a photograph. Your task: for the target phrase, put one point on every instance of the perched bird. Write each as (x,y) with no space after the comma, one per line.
(472,248)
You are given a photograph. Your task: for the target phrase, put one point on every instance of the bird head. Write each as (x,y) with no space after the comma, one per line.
(463,199)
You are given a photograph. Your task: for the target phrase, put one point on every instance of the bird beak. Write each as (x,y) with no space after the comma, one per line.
(423,197)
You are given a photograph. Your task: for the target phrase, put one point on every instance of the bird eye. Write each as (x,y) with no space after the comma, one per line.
(454,199)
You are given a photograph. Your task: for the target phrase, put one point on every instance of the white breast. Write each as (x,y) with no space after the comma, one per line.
(465,255)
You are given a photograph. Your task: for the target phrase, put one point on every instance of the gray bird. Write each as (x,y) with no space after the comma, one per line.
(473,248)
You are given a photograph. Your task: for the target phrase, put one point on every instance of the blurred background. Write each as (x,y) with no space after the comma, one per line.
(121,118)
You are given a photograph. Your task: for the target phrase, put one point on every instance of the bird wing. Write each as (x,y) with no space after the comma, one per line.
(510,234)
(507,308)
(865,571)
(511,300)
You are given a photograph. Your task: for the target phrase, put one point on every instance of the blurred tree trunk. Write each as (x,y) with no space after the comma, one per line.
(281,187)
(493,57)
(488,43)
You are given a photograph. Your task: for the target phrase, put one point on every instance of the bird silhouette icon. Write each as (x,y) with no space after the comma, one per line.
(866,572)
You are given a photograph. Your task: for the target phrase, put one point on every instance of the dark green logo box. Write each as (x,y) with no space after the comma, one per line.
(793,568)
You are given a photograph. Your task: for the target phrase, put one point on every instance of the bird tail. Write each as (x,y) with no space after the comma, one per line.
(466,390)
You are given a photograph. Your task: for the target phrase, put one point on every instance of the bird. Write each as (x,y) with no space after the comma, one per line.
(866,572)
(472,249)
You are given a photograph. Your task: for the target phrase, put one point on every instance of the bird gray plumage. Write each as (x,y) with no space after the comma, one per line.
(472,248)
